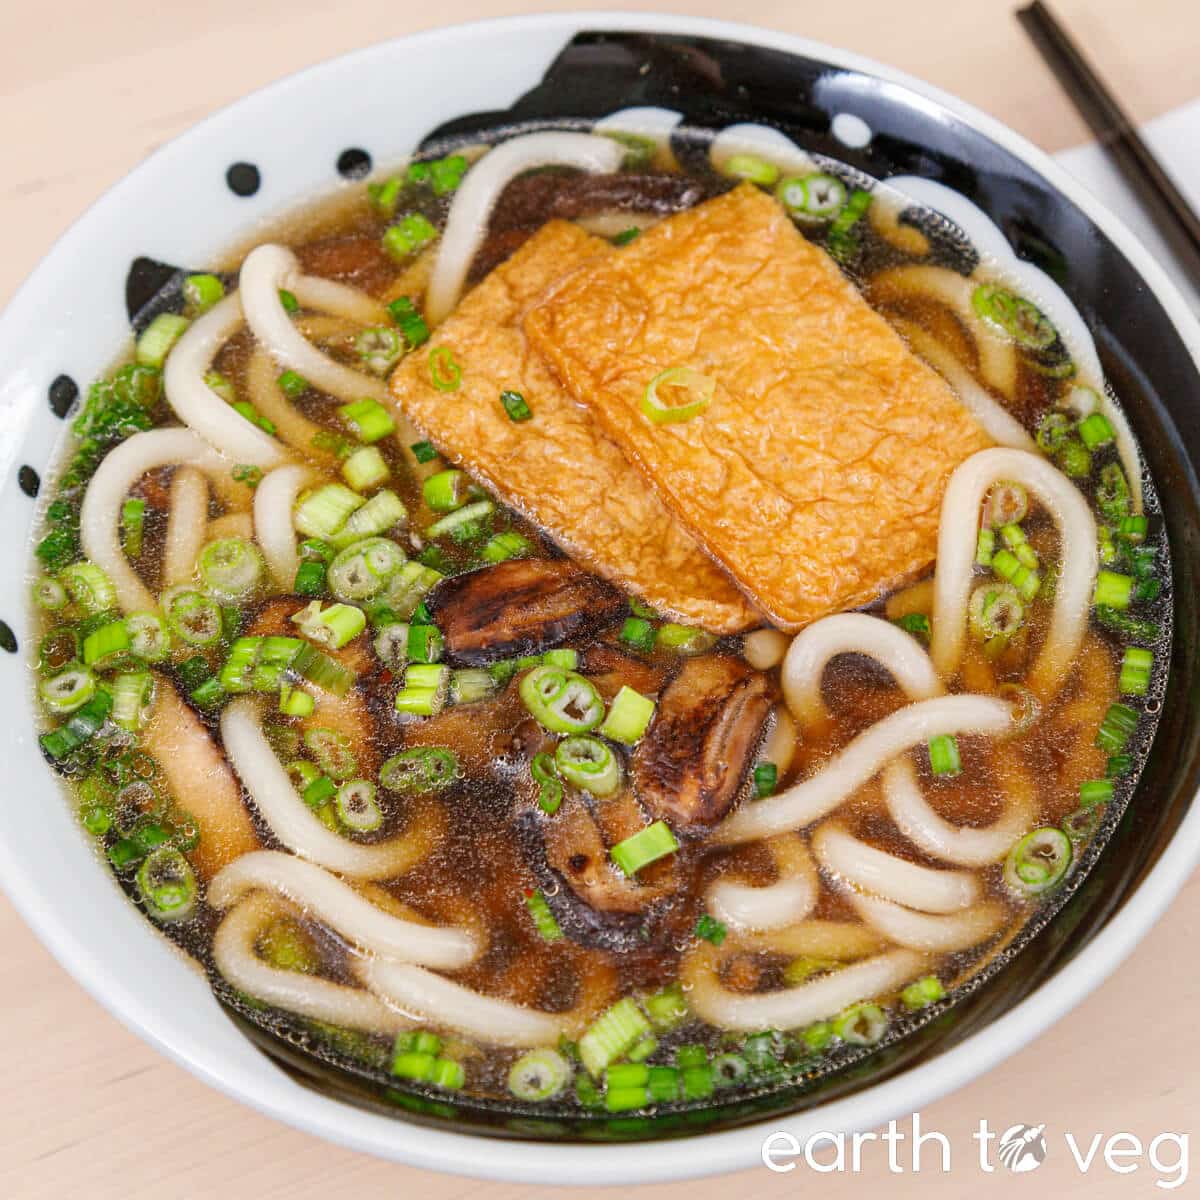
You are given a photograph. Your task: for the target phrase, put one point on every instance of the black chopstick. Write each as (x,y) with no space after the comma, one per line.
(1173,216)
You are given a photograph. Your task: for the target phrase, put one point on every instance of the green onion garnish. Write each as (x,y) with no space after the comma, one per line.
(133,519)
(923,992)
(677,394)
(710,929)
(421,769)
(766,778)
(1117,728)
(201,292)
(412,325)
(543,918)
(638,633)
(644,847)
(444,372)
(1095,431)
(1135,671)
(515,406)
(1113,590)
(629,716)
(943,755)
(1095,791)
(423,452)
(158,338)
(289,301)
(368,420)
(626,236)
(612,1035)
(408,235)
(915,623)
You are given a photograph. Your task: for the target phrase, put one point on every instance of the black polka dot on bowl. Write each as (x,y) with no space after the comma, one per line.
(243,179)
(8,639)
(64,391)
(28,481)
(354,163)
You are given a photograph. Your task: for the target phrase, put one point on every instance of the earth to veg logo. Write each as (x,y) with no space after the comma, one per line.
(1018,1149)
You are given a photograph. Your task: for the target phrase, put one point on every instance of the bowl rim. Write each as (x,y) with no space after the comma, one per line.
(272,1092)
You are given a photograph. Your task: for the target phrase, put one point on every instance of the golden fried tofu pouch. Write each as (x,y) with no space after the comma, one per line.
(559,468)
(817,470)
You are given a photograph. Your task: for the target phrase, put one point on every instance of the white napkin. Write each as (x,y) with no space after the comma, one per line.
(1175,139)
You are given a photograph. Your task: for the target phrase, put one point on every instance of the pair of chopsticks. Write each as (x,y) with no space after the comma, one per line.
(1173,216)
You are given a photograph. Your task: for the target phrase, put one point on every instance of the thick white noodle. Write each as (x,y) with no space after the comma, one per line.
(336,904)
(198,406)
(852,633)
(430,998)
(777,905)
(860,761)
(466,225)
(922,931)
(296,825)
(118,471)
(269,268)
(762,141)
(873,870)
(998,423)
(292,427)
(957,543)
(965,845)
(306,995)
(187,526)
(997,354)
(274,501)
(779,746)
(792,1007)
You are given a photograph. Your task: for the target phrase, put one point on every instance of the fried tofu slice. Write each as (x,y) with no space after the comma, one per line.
(816,472)
(559,468)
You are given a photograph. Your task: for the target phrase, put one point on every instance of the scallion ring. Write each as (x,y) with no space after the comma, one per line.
(817,197)
(588,764)
(231,568)
(1019,318)
(68,690)
(677,394)
(362,569)
(356,806)
(1037,862)
(561,701)
(148,637)
(167,885)
(379,349)
(421,769)
(49,594)
(332,751)
(995,612)
(193,617)
(444,373)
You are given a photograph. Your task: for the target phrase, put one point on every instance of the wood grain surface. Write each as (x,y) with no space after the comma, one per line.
(86,1109)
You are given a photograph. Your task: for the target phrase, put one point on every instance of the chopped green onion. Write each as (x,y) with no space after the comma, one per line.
(662,1085)
(818,1036)
(1119,764)
(382,512)
(246,473)
(915,623)
(1095,431)
(408,235)
(516,406)
(167,885)
(1116,728)
(296,702)
(318,791)
(709,929)
(985,547)
(1083,822)
(323,511)
(292,384)
(220,384)
(237,672)
(1095,791)
(105,646)
(506,545)
(922,993)
(471,684)
(332,751)
(356,806)
(68,690)
(445,174)
(943,755)
(1112,493)
(1019,318)
(644,847)
(333,626)
(1135,671)
(1133,529)
(1015,539)
(89,587)
(629,716)
(861,1024)
(133,699)
(148,638)
(457,521)
(625,236)
(1113,590)
(231,568)
(412,324)
(133,520)
(819,197)
(697,1082)
(766,779)
(1121,622)
(84,724)
(310,579)
(368,420)
(208,694)
(626,1075)
(425,643)
(447,1074)
(444,372)
(421,769)
(158,337)
(362,570)
(365,468)
(288,300)
(383,196)
(1075,459)
(322,671)
(201,292)
(994,614)
(543,918)
(49,594)
(379,349)
(539,1075)
(729,1070)
(751,168)
(424,452)
(588,764)
(1037,862)
(638,633)
(841,242)
(683,639)
(677,394)
(561,701)
(666,1008)
(422,701)
(408,585)
(614,1033)
(1026,581)
(446,491)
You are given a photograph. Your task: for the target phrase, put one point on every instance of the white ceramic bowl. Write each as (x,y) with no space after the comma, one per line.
(69,318)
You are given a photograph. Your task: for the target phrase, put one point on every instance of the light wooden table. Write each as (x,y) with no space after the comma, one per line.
(86,1109)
